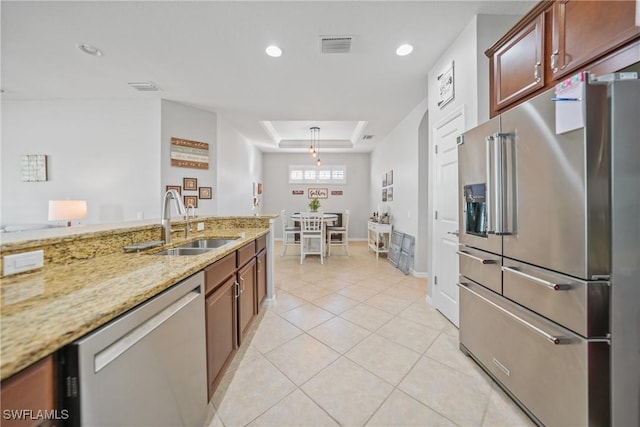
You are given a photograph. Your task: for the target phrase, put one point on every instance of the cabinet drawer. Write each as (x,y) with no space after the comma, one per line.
(245,253)
(575,304)
(218,272)
(560,377)
(481,267)
(261,243)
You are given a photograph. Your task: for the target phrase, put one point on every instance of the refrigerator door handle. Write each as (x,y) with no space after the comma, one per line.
(489,187)
(553,339)
(476,258)
(534,279)
(498,199)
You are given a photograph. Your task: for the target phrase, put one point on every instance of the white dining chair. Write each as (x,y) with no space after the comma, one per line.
(289,232)
(340,231)
(311,229)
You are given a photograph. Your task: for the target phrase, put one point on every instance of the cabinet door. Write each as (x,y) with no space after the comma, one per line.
(518,65)
(261,278)
(586,30)
(247,298)
(29,390)
(221,331)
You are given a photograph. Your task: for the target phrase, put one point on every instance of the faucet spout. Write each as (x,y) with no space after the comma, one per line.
(170,195)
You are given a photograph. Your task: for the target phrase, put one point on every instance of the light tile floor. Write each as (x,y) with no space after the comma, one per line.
(353,342)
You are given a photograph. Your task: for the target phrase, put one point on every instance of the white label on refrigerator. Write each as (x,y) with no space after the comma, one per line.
(568,102)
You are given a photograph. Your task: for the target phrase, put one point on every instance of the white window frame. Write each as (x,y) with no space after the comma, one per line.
(307,177)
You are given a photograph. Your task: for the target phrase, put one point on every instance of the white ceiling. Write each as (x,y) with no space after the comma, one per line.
(210,54)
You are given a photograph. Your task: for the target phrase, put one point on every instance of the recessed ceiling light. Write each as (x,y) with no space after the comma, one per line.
(404,50)
(89,49)
(274,51)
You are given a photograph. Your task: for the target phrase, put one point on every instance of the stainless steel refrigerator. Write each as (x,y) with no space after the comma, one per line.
(549,257)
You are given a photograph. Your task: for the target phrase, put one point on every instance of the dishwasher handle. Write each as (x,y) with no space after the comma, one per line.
(115,350)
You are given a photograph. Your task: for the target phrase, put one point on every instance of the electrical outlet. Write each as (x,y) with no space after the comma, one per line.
(17,263)
(200,226)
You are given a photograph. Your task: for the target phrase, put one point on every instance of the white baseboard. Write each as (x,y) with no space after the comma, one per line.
(419,274)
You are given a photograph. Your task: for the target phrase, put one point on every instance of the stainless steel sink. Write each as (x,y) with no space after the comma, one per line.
(206,243)
(197,247)
(185,251)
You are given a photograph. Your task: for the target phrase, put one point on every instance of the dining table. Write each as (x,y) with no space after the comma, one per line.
(327,218)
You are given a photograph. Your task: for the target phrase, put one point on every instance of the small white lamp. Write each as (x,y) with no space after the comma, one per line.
(66,210)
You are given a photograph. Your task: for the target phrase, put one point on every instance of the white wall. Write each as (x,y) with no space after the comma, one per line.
(399,152)
(239,165)
(278,192)
(471,82)
(182,121)
(103,151)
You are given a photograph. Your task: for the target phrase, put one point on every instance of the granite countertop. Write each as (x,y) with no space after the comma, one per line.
(43,311)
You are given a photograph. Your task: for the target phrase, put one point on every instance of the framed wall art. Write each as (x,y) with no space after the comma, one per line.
(384,194)
(189,154)
(318,193)
(204,192)
(446,85)
(190,184)
(390,194)
(174,187)
(384,180)
(191,201)
(390,177)
(33,167)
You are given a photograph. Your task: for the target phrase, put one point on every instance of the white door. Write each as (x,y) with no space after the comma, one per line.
(445,227)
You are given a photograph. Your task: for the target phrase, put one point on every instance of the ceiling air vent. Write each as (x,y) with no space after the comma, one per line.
(335,44)
(144,86)
(367,137)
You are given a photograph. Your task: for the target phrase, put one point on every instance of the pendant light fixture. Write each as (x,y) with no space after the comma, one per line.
(314,146)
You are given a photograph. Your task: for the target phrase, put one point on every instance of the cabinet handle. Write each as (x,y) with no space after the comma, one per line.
(554,61)
(536,72)
(552,286)
(259,266)
(237,286)
(242,281)
(475,258)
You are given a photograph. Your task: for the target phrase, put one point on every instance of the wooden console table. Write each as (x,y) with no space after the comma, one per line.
(379,235)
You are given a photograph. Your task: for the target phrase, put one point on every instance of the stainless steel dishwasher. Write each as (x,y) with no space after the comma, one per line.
(145,368)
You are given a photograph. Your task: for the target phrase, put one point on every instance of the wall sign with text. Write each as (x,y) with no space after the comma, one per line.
(318,193)
(189,154)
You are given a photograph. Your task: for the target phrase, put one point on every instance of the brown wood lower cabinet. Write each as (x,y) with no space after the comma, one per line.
(247,298)
(27,394)
(261,279)
(234,287)
(221,331)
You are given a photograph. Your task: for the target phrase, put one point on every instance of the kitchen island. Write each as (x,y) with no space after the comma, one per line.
(84,288)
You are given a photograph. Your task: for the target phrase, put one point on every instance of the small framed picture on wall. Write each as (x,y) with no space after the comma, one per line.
(204,192)
(191,201)
(190,184)
(175,187)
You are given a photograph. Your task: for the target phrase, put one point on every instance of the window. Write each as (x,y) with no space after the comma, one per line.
(326,174)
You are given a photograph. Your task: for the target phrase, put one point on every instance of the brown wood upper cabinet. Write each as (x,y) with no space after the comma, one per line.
(559,38)
(517,66)
(582,31)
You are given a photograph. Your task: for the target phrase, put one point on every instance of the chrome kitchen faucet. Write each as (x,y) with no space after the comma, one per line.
(166,213)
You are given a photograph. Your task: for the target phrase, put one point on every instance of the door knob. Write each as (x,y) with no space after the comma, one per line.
(455,233)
